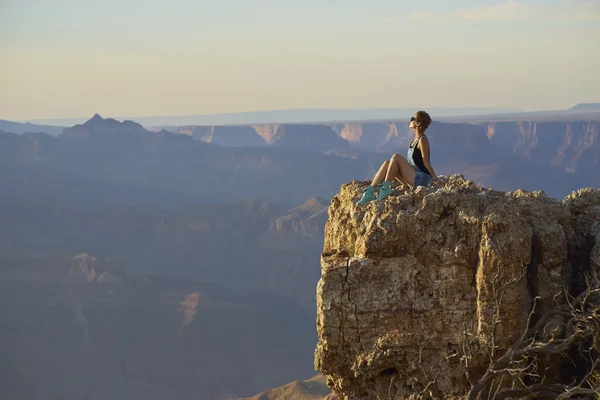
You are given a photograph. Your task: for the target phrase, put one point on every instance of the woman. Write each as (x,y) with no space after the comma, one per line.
(414,170)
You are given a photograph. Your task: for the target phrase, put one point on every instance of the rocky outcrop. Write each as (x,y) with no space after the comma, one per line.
(404,280)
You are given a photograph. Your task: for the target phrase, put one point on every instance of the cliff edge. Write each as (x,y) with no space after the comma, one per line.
(410,283)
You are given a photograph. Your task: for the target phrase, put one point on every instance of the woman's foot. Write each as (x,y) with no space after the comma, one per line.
(385,190)
(368,195)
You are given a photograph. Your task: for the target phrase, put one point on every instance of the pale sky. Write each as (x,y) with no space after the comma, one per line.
(74,58)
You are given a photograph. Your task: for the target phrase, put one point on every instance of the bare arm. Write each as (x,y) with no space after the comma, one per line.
(424,147)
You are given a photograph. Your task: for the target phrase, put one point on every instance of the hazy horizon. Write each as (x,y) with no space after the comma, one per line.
(288,115)
(69,59)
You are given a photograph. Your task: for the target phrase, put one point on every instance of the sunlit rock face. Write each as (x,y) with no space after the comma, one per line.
(403,279)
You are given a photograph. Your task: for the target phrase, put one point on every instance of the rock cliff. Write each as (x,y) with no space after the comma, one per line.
(572,146)
(405,281)
(317,137)
(226,136)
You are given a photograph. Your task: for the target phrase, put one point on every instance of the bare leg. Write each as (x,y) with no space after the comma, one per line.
(369,192)
(380,175)
(400,169)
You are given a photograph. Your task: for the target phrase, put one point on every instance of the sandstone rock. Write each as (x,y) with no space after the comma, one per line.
(404,279)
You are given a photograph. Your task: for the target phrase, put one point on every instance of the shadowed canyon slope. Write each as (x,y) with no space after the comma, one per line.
(84,328)
(254,245)
(406,281)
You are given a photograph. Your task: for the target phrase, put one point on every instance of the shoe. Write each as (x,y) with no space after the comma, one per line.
(368,195)
(385,190)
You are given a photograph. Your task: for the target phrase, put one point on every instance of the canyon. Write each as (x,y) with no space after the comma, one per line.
(132,259)
(571,146)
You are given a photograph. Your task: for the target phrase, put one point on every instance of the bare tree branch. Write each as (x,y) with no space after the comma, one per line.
(573,324)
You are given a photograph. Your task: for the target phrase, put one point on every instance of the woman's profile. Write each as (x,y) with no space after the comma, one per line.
(414,170)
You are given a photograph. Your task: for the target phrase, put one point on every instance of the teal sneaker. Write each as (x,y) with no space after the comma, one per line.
(368,195)
(385,190)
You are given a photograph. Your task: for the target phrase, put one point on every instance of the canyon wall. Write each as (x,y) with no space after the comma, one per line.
(571,146)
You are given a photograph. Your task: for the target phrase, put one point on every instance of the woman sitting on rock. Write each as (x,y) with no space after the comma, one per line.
(417,171)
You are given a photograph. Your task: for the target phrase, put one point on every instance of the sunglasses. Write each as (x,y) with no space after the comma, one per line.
(412,119)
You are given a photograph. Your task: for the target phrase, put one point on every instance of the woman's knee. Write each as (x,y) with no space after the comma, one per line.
(397,157)
(386,163)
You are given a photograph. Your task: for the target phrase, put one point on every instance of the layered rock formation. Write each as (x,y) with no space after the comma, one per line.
(374,136)
(572,146)
(405,281)
(315,138)
(225,136)
(319,138)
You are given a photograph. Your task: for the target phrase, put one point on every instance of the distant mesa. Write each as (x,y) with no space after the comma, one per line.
(586,107)
(310,137)
(225,136)
(315,138)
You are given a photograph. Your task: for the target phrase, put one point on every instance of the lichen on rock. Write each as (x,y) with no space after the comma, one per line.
(407,281)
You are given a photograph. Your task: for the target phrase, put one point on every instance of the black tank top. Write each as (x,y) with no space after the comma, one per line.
(415,158)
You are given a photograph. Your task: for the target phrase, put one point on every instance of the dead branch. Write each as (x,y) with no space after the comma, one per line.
(579,328)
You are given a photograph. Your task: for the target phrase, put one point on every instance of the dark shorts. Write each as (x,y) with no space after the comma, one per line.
(421,178)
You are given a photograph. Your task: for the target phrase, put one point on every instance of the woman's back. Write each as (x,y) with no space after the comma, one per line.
(414,156)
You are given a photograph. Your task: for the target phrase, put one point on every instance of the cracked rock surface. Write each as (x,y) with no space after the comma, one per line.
(403,279)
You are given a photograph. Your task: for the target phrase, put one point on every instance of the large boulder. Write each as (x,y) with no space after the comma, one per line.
(408,281)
